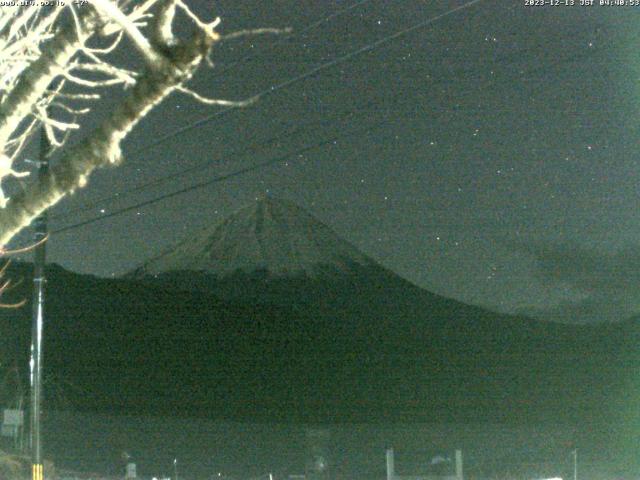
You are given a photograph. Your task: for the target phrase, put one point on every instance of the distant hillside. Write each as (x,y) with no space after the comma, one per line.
(372,348)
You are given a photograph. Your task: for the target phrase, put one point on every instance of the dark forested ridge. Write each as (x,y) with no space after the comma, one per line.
(367,346)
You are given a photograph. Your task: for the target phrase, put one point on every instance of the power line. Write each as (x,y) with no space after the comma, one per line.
(368,47)
(273,89)
(217,73)
(165,178)
(280,41)
(266,142)
(272,45)
(221,178)
(287,132)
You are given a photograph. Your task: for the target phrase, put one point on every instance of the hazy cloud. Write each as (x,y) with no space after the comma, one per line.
(599,285)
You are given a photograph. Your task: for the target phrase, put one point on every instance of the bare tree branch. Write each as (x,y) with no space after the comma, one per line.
(47,80)
(217,101)
(102,147)
(257,31)
(139,40)
(35,80)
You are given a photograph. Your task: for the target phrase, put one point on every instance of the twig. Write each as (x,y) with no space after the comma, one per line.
(256,31)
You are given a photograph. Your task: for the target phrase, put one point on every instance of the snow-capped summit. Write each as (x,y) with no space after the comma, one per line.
(270,235)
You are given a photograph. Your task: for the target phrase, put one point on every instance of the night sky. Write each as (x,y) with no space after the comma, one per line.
(489,156)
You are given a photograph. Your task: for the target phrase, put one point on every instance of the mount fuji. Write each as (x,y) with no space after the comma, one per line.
(273,236)
(271,315)
(362,328)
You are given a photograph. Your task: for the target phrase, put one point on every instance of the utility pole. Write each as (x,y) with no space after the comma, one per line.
(575,464)
(39,280)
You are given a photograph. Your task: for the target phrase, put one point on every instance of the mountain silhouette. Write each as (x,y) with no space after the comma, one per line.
(226,325)
(270,235)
